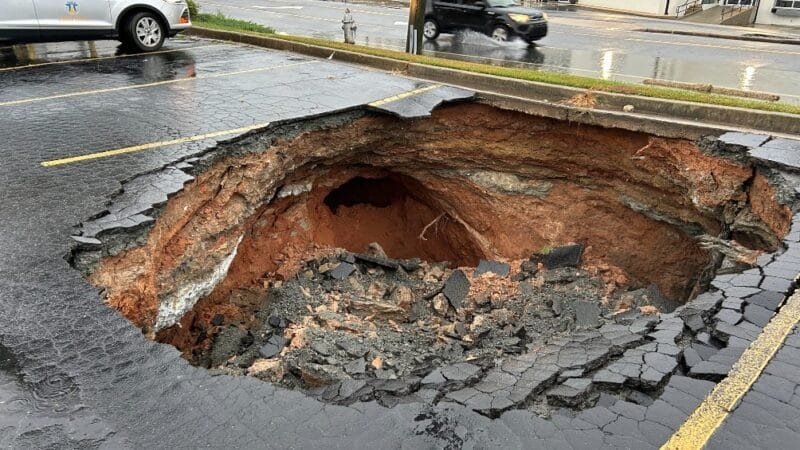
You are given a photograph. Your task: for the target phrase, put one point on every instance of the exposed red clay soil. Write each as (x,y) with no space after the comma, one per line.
(487,183)
(763,202)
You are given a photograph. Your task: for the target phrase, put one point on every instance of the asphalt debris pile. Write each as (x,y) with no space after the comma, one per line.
(362,326)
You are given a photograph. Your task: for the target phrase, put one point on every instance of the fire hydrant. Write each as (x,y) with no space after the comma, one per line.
(349,27)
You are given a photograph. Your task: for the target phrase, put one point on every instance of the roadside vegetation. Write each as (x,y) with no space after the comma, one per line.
(219,21)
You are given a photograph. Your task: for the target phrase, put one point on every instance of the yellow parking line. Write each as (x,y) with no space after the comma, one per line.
(100,58)
(722,400)
(152,145)
(146,85)
(394,98)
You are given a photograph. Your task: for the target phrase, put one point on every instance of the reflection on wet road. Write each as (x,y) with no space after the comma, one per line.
(601,45)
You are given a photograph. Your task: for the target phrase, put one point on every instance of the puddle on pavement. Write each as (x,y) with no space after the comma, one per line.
(341,260)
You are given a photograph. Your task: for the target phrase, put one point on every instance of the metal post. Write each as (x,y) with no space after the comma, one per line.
(416,21)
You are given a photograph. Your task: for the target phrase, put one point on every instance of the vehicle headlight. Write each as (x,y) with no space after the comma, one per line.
(519,18)
(545,16)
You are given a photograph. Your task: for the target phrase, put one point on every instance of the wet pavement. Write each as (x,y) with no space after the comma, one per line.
(580,42)
(74,373)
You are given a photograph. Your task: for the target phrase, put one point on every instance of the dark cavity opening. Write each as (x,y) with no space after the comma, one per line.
(398,213)
(379,192)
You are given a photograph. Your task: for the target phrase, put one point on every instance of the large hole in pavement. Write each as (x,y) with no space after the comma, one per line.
(327,260)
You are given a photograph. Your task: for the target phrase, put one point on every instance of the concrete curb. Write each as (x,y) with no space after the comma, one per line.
(789,41)
(622,12)
(705,115)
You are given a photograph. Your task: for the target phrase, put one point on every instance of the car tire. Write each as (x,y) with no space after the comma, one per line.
(501,33)
(430,29)
(144,32)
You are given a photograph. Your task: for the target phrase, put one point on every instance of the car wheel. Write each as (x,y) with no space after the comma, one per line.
(144,32)
(501,34)
(430,29)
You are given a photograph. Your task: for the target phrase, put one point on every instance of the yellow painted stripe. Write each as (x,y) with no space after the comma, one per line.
(721,401)
(152,145)
(147,85)
(395,98)
(100,58)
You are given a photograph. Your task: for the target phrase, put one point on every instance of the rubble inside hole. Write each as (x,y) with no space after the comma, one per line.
(481,257)
(394,330)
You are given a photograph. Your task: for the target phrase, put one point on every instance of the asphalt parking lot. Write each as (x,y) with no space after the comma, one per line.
(76,120)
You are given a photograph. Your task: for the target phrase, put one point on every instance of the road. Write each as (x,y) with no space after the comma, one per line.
(580,42)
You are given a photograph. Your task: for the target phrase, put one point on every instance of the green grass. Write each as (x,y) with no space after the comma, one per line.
(220,22)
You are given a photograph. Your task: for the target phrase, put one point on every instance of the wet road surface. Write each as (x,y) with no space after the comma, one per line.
(579,42)
(74,373)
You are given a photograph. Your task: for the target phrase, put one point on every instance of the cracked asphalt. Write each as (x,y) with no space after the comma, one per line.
(76,121)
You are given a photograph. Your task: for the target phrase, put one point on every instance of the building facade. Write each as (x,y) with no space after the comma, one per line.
(778,12)
(765,12)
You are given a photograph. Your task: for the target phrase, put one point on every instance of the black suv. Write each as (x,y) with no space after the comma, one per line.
(500,19)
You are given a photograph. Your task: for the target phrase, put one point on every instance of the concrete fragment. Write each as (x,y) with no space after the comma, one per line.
(382,310)
(174,305)
(267,369)
(440,304)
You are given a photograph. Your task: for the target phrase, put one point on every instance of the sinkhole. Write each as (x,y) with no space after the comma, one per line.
(360,257)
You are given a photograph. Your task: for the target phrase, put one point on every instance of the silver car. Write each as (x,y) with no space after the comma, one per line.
(141,24)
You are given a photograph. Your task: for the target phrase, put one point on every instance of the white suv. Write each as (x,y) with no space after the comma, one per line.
(142,24)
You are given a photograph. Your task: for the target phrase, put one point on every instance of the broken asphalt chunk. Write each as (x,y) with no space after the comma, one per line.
(564,256)
(572,392)
(495,267)
(277,322)
(378,261)
(273,346)
(587,314)
(341,271)
(456,288)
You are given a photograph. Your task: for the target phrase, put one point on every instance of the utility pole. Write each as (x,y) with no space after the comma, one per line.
(416,21)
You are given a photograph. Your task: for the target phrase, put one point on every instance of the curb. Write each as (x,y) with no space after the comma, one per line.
(788,41)
(623,12)
(709,116)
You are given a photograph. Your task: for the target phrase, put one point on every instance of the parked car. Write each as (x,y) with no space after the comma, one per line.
(141,24)
(500,19)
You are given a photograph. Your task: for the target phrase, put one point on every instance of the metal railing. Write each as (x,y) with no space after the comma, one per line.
(731,8)
(689,5)
(557,3)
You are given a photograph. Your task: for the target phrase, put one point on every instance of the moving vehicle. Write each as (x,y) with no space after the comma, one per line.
(141,24)
(500,19)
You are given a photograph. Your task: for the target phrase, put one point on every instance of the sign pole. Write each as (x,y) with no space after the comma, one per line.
(416,21)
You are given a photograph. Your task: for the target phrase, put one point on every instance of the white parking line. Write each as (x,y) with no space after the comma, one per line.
(401,23)
(277,7)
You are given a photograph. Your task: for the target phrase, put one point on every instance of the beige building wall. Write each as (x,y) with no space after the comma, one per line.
(656,7)
(770,14)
